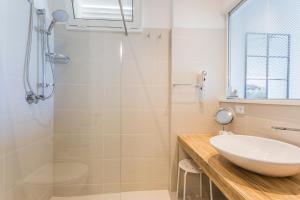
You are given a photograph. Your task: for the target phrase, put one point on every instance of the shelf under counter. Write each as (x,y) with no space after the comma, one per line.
(235,182)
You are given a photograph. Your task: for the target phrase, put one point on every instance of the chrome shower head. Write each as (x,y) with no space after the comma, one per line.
(58,16)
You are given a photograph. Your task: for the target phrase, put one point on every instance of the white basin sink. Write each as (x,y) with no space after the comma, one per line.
(260,155)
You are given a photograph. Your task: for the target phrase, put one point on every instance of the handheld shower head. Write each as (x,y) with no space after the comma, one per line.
(58,16)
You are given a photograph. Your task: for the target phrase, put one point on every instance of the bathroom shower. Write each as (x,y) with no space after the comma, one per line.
(58,16)
(34,95)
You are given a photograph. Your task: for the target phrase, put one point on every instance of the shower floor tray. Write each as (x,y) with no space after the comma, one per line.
(139,195)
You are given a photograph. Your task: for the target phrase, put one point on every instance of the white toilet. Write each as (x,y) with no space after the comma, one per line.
(69,178)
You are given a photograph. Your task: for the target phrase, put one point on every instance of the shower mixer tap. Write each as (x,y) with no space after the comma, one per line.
(33,98)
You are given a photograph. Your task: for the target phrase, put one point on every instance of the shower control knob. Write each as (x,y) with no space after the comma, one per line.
(31,98)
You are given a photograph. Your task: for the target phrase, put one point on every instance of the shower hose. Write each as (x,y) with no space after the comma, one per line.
(31,96)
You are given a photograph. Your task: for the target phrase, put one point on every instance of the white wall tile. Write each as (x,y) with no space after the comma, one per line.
(122,100)
(259,119)
(194,50)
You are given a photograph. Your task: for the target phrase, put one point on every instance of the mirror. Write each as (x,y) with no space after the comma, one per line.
(224,116)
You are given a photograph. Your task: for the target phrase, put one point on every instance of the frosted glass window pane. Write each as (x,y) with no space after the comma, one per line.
(256,89)
(257,44)
(256,68)
(278,45)
(103,9)
(278,68)
(277,90)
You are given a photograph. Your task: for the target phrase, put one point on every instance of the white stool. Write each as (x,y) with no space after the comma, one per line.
(188,166)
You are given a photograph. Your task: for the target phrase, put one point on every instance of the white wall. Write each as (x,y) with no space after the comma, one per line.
(157,13)
(198,14)
(25,131)
(198,43)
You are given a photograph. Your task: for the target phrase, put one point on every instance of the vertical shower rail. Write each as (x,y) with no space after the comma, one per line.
(41,27)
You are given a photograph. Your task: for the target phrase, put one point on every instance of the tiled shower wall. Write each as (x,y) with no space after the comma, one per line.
(111,109)
(25,131)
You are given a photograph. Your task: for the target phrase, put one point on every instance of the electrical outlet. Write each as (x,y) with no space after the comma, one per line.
(240,109)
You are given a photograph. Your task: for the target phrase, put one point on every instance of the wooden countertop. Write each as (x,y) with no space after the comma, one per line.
(237,183)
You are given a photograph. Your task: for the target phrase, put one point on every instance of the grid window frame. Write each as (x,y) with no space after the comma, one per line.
(267,56)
